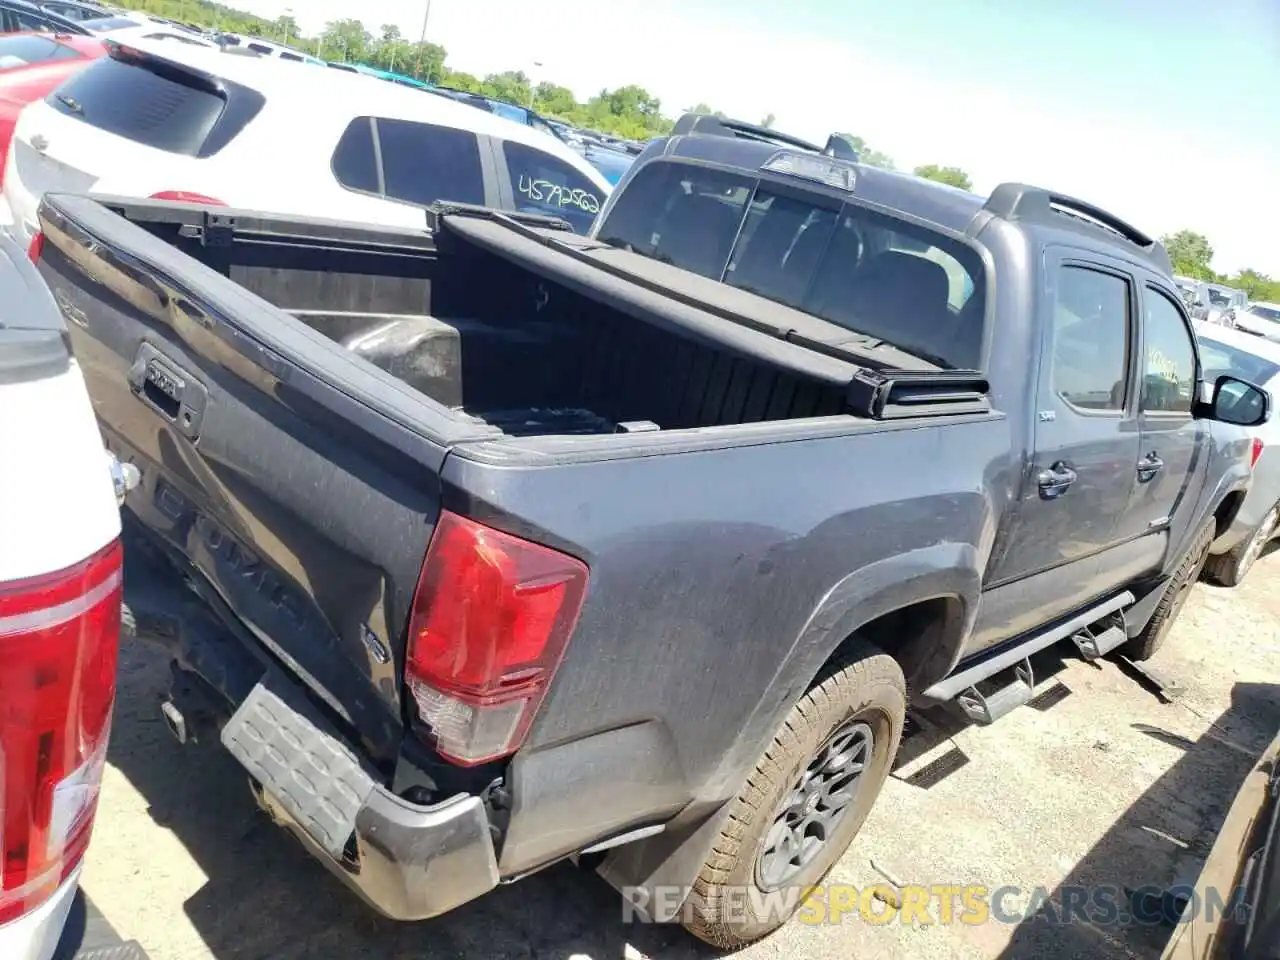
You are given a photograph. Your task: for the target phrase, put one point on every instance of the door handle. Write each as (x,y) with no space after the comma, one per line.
(1148,467)
(1055,481)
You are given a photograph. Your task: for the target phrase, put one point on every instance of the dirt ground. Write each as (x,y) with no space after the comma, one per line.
(1100,782)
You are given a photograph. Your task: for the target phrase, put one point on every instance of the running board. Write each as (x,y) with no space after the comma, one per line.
(1096,644)
(949,687)
(986,709)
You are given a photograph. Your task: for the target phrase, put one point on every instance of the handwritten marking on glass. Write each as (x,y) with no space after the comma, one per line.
(544,191)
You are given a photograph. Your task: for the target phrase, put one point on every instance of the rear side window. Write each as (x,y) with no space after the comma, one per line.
(157,106)
(421,163)
(22,20)
(542,183)
(354,162)
(1090,355)
(261,48)
(875,274)
(22,50)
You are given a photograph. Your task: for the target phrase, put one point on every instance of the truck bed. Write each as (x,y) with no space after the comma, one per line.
(497,341)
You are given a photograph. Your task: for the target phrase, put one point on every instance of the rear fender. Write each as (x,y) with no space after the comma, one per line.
(673,859)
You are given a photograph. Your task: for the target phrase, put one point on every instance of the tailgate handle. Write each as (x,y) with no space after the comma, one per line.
(169,390)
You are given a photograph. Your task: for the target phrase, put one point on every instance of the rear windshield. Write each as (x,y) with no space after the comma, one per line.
(21,49)
(903,284)
(102,24)
(156,106)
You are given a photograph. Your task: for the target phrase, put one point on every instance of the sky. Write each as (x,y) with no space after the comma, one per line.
(1166,112)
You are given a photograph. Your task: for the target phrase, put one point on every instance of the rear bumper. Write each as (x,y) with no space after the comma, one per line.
(408,862)
(36,936)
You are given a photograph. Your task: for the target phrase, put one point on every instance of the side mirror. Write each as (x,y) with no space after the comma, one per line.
(1237,402)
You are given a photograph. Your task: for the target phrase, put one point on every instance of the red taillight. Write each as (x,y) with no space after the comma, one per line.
(491,618)
(59,640)
(186,196)
(36,248)
(1255,452)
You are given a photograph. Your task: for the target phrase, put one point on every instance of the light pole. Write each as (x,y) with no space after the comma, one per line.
(288,15)
(533,84)
(426,16)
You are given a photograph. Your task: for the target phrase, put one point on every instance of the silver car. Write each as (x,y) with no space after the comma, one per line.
(1256,359)
(1262,319)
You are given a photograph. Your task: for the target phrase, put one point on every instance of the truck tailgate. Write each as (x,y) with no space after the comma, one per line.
(302,501)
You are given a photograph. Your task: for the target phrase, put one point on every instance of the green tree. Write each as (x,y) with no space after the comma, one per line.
(391,33)
(554,100)
(953,176)
(872,158)
(1191,254)
(513,86)
(345,40)
(1257,285)
(287,29)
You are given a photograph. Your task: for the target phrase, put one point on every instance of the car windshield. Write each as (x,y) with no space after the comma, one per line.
(1266,313)
(875,274)
(1219,298)
(103,24)
(1220,359)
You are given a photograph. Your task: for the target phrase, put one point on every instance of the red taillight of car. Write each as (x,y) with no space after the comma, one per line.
(491,619)
(186,196)
(35,249)
(59,642)
(1255,452)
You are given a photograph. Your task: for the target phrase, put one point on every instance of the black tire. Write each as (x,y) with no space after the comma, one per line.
(1176,591)
(1229,569)
(865,690)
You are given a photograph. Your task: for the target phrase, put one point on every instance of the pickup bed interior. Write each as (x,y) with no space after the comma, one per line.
(490,331)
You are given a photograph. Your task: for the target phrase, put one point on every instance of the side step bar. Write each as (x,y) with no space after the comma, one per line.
(1096,644)
(986,709)
(963,680)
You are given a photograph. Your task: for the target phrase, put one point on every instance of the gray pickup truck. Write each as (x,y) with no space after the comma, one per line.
(490,545)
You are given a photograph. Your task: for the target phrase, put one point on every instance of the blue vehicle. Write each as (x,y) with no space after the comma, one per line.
(612,163)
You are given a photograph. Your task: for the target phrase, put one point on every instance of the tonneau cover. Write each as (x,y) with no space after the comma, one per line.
(657,293)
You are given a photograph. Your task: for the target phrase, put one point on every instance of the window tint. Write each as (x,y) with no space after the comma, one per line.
(1090,339)
(423,163)
(542,183)
(141,105)
(1169,375)
(22,50)
(354,163)
(871,273)
(286,55)
(261,48)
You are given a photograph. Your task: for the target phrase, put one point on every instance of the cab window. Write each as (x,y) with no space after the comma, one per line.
(542,183)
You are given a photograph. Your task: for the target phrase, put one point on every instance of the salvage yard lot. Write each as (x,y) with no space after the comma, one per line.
(1104,784)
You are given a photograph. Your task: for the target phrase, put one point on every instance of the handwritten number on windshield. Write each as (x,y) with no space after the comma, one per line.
(553,194)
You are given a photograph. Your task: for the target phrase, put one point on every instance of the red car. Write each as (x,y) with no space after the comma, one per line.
(32,65)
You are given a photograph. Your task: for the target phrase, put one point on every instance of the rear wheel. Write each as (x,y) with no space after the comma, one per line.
(1232,567)
(803,803)
(1154,634)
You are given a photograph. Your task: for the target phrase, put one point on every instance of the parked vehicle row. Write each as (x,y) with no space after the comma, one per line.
(173,121)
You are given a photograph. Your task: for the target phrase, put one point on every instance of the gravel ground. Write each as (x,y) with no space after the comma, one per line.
(1109,785)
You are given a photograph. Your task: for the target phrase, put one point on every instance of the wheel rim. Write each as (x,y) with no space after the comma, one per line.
(811,812)
(1260,538)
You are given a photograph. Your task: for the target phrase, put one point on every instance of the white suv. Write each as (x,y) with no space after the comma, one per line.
(61,578)
(161,119)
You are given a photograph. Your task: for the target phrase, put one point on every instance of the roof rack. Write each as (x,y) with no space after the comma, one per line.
(1020,202)
(711,125)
